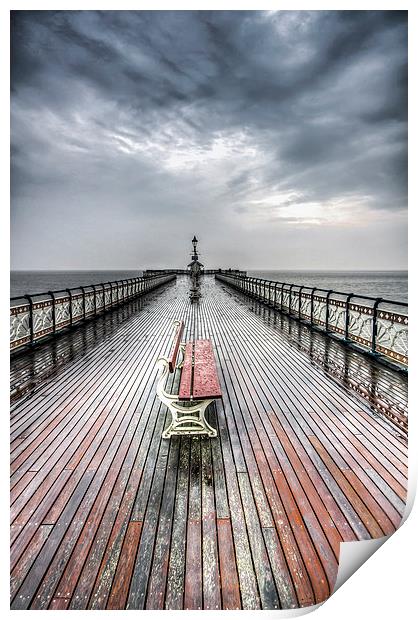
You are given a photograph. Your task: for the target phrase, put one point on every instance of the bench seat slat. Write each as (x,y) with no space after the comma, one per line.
(186,373)
(205,376)
(175,348)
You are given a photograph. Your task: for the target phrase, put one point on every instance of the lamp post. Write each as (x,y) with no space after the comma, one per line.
(195,270)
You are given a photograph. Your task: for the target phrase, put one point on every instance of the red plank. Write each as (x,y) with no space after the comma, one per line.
(59,603)
(122,580)
(228,566)
(205,377)
(176,345)
(186,374)
(193,574)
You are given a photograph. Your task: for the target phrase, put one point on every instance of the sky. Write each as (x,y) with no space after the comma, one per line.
(278,138)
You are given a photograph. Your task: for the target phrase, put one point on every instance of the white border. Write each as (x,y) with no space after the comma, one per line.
(385,586)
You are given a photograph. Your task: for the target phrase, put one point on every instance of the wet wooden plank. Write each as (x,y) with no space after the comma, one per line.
(227,562)
(119,593)
(23,565)
(59,603)
(284,583)
(140,576)
(266,584)
(221,497)
(159,570)
(177,562)
(32,584)
(98,585)
(193,597)
(193,577)
(340,475)
(210,561)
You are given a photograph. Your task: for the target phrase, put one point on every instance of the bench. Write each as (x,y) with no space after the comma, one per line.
(199,385)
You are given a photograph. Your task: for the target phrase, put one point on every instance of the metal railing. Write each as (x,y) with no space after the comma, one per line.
(45,314)
(378,326)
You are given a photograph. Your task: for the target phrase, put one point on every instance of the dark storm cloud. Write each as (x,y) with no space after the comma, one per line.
(217,120)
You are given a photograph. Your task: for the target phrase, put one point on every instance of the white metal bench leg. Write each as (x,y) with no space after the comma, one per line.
(185,420)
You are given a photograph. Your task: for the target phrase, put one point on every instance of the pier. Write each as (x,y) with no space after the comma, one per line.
(311,451)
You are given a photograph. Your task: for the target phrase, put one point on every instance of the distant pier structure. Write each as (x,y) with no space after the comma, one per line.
(196,269)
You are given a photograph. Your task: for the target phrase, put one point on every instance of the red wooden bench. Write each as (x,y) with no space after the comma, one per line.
(199,385)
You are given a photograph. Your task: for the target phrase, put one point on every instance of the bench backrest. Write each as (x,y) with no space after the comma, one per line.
(175,346)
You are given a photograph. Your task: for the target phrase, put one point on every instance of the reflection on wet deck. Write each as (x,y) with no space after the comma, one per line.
(384,389)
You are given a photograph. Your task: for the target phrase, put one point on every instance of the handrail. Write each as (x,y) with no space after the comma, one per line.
(376,325)
(41,315)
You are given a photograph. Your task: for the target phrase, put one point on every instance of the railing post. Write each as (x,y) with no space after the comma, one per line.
(347,316)
(327,310)
(312,304)
(54,327)
(374,325)
(104,297)
(70,305)
(83,292)
(300,302)
(281,296)
(95,301)
(29,298)
(275,295)
(290,299)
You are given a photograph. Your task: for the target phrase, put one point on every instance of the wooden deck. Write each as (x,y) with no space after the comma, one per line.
(107,514)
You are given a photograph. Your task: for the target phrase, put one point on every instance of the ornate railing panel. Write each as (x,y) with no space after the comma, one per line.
(77,311)
(319,310)
(42,318)
(360,324)
(392,333)
(33,317)
(89,303)
(378,326)
(337,314)
(62,312)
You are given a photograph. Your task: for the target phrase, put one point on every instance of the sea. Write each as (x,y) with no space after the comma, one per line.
(392,285)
